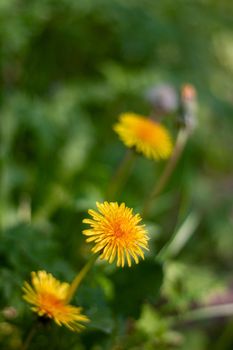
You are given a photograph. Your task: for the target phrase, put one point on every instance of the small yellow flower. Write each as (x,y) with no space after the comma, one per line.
(48,297)
(147,136)
(116,233)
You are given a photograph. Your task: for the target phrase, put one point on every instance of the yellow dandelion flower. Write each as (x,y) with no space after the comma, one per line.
(147,136)
(48,297)
(116,233)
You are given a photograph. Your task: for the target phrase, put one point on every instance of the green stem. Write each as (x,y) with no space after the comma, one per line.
(121,174)
(181,141)
(29,337)
(78,279)
(180,237)
(214,311)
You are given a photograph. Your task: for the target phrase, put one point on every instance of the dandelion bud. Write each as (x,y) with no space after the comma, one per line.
(188,92)
(188,106)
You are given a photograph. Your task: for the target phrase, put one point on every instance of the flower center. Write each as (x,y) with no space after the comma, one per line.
(145,131)
(49,303)
(119,231)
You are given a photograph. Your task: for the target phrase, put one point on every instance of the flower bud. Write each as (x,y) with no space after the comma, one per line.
(188,106)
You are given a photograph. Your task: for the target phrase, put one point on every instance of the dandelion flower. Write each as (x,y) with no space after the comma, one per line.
(48,297)
(147,136)
(116,232)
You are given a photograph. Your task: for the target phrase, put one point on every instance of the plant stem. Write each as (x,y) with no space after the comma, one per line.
(181,140)
(214,311)
(180,237)
(29,337)
(78,279)
(121,174)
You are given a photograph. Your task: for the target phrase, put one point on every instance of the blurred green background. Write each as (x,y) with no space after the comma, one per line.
(68,68)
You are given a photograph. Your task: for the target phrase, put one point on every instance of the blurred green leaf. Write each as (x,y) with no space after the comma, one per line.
(134,285)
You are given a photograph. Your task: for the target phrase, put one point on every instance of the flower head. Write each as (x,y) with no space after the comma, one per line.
(147,136)
(48,297)
(116,233)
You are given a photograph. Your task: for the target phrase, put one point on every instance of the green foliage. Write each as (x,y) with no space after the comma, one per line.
(127,303)
(186,284)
